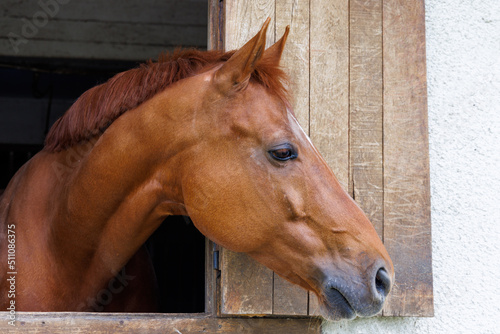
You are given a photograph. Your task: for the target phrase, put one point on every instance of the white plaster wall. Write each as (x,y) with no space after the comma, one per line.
(463,66)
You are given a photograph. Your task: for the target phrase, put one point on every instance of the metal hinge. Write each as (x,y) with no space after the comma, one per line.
(216,263)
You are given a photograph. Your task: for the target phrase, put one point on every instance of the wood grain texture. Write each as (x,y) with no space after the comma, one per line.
(215,34)
(314,308)
(407,229)
(329,90)
(290,299)
(186,12)
(329,83)
(243,19)
(83,50)
(121,30)
(114,32)
(62,323)
(295,58)
(246,285)
(366,109)
(211,280)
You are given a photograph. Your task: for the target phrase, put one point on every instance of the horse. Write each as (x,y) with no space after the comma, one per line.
(205,134)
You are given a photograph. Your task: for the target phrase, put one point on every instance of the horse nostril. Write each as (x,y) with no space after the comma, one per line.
(383,282)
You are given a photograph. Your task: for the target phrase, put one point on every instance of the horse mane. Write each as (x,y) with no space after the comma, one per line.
(98,107)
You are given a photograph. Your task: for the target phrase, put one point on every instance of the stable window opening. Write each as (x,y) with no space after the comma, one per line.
(32,98)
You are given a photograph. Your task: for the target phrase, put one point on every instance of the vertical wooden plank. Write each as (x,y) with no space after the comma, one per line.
(215,31)
(290,299)
(243,19)
(295,58)
(215,41)
(210,279)
(246,286)
(329,89)
(314,308)
(366,101)
(329,83)
(407,229)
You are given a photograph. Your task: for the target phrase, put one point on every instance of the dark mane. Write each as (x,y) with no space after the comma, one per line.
(98,107)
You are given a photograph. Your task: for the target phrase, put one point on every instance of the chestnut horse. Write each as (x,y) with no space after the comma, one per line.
(209,135)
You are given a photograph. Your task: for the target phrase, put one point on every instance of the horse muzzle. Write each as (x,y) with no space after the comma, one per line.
(348,297)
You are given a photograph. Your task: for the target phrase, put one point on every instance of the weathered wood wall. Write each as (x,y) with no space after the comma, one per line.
(114,29)
(407,223)
(359,82)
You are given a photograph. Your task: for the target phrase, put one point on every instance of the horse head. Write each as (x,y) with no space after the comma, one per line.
(253,182)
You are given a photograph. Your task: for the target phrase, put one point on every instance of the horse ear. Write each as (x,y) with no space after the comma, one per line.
(274,52)
(236,71)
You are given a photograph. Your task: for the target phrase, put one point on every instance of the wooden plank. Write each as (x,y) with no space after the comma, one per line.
(329,90)
(243,19)
(62,323)
(366,109)
(329,83)
(84,50)
(290,299)
(115,32)
(186,12)
(295,58)
(407,228)
(215,25)
(246,286)
(314,308)
(212,252)
(109,30)
(211,283)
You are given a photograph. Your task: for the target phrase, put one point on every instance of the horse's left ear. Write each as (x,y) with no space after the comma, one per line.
(274,52)
(236,72)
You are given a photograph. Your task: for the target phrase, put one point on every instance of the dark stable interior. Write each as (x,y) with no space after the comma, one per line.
(177,247)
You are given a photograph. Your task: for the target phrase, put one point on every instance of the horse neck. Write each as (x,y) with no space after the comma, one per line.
(116,192)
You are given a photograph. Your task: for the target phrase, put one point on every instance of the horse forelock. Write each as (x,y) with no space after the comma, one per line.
(99,106)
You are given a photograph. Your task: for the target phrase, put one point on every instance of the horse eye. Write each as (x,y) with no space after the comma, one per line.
(283,154)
